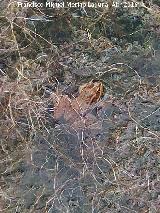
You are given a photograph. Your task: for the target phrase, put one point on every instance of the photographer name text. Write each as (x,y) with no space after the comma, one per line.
(89,4)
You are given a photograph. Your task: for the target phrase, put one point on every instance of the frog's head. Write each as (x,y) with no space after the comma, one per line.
(91,92)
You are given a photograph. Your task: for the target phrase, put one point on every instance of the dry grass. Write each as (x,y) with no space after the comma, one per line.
(47,166)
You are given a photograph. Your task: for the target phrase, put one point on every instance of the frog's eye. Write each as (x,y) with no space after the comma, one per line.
(94,81)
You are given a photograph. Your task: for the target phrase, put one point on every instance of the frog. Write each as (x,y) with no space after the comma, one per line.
(90,93)
(76,110)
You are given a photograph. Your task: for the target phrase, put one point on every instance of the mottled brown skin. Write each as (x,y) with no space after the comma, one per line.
(73,109)
(90,92)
